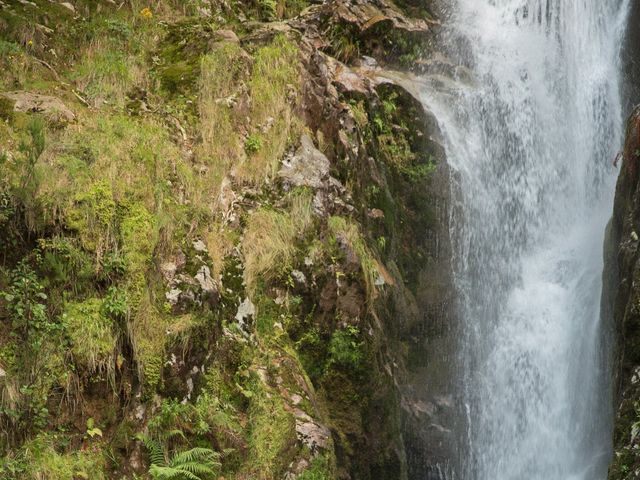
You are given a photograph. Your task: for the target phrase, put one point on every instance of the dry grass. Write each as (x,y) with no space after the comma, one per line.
(269,240)
(220,243)
(222,72)
(349,233)
(273,86)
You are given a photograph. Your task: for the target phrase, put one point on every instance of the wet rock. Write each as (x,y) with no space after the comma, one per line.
(380,29)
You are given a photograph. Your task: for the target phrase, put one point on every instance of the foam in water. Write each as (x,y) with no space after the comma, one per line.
(532,138)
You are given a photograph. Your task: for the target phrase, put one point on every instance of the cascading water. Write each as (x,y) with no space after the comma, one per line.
(532,137)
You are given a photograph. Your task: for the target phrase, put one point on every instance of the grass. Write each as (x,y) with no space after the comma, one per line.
(269,243)
(273,87)
(348,232)
(221,72)
(106,73)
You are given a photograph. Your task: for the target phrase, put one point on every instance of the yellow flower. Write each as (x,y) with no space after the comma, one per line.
(30,43)
(146,13)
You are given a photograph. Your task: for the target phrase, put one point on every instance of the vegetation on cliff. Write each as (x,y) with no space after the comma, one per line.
(193,262)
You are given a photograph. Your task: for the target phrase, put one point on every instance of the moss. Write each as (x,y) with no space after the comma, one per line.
(139,232)
(92,335)
(320,469)
(272,434)
(180,54)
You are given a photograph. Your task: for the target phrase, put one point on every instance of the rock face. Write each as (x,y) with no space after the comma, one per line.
(621,297)
(264,243)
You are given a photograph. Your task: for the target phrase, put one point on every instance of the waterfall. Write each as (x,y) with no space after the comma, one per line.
(531,125)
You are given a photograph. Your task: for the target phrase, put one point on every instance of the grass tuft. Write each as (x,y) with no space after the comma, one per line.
(269,241)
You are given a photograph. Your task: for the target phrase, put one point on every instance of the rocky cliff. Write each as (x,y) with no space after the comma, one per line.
(620,303)
(224,241)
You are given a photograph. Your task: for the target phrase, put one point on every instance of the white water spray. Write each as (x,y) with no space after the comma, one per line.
(532,138)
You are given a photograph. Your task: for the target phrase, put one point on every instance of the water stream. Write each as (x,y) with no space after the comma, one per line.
(531,127)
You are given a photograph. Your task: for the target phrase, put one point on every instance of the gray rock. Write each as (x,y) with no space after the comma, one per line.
(312,434)
(245,310)
(204,279)
(51,107)
(199,246)
(173,296)
(299,277)
(308,167)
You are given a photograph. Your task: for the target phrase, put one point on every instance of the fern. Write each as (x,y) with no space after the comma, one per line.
(156,450)
(194,464)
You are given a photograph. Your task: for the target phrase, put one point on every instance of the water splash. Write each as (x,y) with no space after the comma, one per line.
(532,138)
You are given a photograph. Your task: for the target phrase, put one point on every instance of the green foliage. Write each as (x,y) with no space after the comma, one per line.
(26,303)
(41,458)
(268,9)
(252,144)
(344,42)
(115,304)
(346,348)
(92,430)
(64,265)
(194,464)
(311,349)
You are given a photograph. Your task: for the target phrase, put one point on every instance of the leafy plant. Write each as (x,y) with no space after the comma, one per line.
(92,430)
(195,464)
(345,348)
(252,144)
(26,302)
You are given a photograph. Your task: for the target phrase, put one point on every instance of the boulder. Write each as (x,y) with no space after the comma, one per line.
(51,108)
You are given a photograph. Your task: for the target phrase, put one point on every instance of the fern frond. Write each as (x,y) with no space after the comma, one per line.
(197,454)
(169,434)
(156,450)
(197,468)
(171,473)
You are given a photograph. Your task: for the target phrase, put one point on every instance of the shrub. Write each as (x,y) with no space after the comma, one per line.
(345,348)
